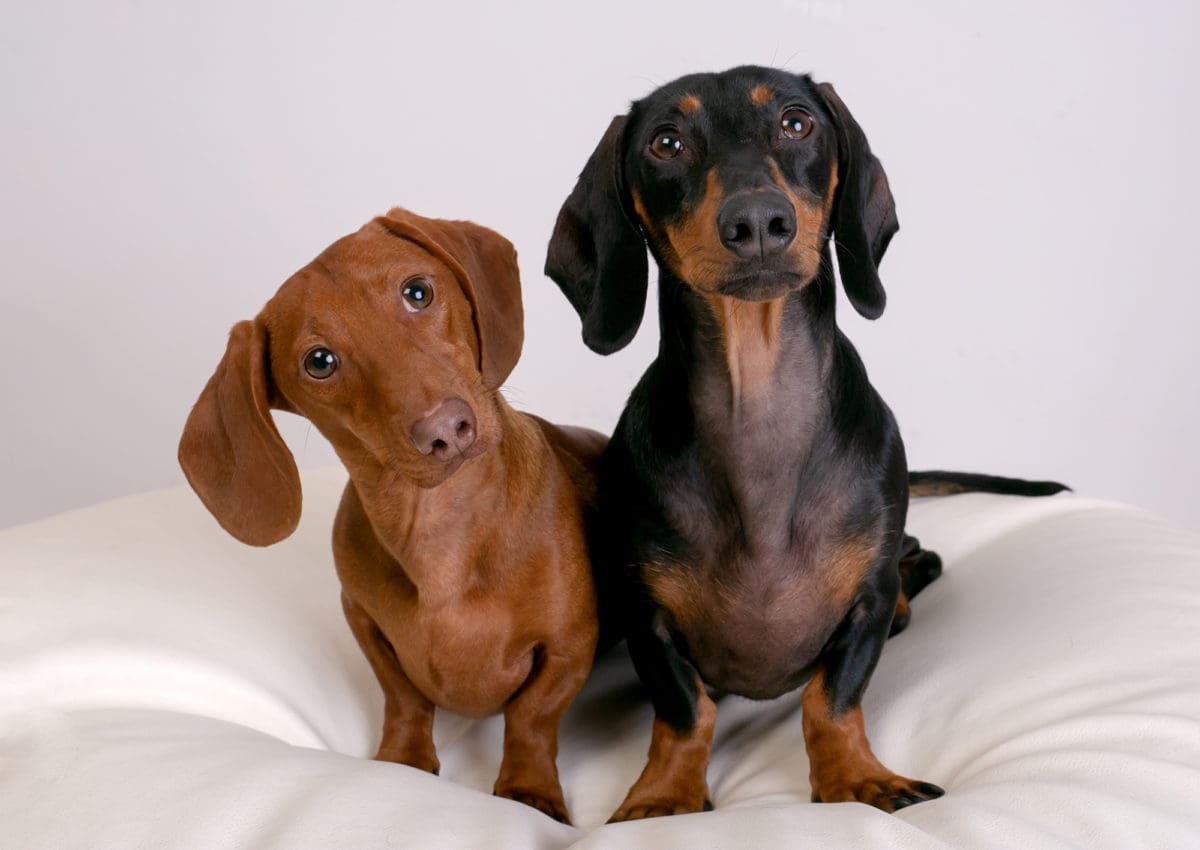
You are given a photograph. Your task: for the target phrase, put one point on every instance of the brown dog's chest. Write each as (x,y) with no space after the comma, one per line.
(466,614)
(468,654)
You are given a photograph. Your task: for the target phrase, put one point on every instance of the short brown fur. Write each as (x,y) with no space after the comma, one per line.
(812,218)
(674,779)
(750,335)
(695,245)
(842,767)
(846,566)
(466,582)
(688,104)
(693,598)
(937,488)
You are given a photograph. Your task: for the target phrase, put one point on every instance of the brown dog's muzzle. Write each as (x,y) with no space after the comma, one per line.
(759,223)
(447,433)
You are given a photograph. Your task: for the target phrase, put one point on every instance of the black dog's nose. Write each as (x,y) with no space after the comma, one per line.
(447,432)
(757,224)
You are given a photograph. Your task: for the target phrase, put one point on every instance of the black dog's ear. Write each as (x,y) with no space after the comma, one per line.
(597,255)
(864,213)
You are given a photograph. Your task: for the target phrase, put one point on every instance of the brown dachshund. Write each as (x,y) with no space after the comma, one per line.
(460,540)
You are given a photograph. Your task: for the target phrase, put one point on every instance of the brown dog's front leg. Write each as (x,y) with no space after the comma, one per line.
(528,772)
(407,713)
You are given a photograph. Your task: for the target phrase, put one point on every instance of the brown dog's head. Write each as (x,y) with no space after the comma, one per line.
(392,342)
(736,181)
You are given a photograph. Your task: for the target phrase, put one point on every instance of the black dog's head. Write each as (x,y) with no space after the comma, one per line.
(736,180)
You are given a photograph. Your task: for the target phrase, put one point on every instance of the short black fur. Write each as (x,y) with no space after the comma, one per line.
(755,534)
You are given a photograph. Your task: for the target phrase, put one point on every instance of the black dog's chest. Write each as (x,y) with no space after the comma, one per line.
(753,624)
(764,530)
(754,604)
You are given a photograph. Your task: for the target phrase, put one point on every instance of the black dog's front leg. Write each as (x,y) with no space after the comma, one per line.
(841,765)
(674,780)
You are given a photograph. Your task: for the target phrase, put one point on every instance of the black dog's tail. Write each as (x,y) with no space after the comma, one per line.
(936,482)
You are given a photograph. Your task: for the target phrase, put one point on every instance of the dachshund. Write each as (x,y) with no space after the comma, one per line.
(460,541)
(754,493)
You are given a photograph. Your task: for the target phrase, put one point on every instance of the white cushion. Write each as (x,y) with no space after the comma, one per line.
(163,686)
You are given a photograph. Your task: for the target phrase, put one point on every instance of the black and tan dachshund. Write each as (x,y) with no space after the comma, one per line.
(755,491)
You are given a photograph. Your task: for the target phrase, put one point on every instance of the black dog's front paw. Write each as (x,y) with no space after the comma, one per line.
(547,799)
(889,793)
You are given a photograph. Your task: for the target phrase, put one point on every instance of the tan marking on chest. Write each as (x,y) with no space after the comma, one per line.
(751,332)
(754,628)
(696,601)
(684,593)
(844,565)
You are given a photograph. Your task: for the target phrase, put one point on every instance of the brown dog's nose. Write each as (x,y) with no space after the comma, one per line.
(757,224)
(447,432)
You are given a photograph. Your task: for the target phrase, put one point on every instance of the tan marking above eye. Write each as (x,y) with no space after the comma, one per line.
(688,104)
(761,95)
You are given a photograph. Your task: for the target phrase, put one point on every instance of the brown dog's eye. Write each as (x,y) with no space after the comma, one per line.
(418,294)
(666,144)
(795,123)
(320,363)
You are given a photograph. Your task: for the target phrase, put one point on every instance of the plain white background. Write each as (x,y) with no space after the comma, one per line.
(165,166)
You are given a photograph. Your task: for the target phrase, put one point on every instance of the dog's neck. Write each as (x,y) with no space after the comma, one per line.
(742,359)
(435,533)
(756,376)
(750,335)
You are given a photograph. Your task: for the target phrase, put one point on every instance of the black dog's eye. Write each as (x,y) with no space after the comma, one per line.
(320,363)
(418,294)
(795,123)
(666,143)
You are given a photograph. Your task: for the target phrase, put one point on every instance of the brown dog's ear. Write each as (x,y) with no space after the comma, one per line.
(232,453)
(486,264)
(597,255)
(864,214)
